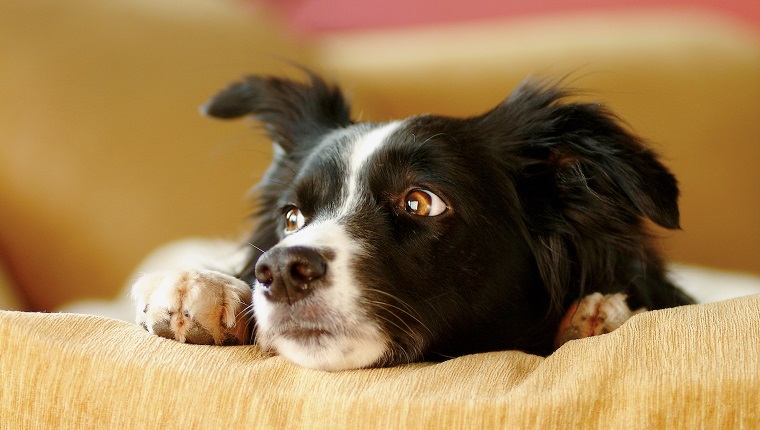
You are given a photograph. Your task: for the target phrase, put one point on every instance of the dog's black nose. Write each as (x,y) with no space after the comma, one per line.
(290,274)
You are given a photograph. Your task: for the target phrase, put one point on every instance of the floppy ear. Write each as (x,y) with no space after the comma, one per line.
(584,183)
(588,159)
(293,113)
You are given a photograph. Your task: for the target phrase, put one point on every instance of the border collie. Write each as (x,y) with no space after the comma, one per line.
(379,244)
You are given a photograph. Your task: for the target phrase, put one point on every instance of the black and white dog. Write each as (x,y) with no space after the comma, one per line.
(431,237)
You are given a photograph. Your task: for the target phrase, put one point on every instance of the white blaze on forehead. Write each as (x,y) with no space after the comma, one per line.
(366,145)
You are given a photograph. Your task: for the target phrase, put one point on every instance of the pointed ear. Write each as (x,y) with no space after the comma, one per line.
(292,112)
(592,165)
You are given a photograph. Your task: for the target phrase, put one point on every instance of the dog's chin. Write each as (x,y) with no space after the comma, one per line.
(322,350)
(313,334)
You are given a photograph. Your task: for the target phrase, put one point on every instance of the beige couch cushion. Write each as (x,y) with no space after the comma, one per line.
(103,155)
(690,367)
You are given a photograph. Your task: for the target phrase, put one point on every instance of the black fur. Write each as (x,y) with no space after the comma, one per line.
(548,201)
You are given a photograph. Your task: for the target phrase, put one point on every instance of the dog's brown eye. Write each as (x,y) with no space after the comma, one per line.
(424,203)
(294,220)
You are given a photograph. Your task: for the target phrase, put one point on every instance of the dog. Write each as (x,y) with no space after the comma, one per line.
(379,244)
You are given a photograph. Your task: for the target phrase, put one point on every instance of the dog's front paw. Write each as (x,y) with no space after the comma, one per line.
(593,315)
(201,307)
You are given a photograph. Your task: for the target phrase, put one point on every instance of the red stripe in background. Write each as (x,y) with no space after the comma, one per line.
(321,16)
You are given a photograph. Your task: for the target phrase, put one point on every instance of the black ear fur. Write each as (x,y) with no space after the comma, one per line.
(293,112)
(588,152)
(585,183)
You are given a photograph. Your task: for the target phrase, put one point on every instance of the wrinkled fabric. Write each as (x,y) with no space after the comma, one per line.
(691,367)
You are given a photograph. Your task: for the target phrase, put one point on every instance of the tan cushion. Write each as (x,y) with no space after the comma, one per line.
(690,367)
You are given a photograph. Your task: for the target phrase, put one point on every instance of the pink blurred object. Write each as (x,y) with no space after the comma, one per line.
(328,16)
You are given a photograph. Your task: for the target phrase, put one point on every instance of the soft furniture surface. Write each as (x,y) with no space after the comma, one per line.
(690,367)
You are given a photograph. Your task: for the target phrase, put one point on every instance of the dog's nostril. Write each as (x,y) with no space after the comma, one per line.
(307,271)
(264,274)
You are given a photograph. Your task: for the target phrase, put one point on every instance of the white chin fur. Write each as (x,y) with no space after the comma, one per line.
(336,353)
(357,343)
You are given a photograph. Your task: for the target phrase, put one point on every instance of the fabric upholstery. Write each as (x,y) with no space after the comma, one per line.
(690,367)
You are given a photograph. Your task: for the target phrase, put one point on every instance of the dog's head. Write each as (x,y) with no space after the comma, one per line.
(433,236)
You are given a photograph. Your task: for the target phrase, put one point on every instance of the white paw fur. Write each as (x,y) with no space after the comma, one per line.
(593,315)
(193,306)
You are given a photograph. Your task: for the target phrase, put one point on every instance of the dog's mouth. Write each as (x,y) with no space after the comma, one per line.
(304,334)
(314,334)
(305,322)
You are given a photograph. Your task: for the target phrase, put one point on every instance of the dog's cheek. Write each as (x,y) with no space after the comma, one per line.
(391,299)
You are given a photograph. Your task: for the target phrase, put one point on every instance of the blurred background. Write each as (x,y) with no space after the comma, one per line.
(104,156)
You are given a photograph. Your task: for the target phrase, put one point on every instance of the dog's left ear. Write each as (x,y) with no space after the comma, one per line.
(580,163)
(294,113)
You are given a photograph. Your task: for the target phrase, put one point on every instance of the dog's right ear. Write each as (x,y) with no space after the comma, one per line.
(294,113)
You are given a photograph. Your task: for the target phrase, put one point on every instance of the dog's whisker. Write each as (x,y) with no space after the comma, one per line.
(397,348)
(392,297)
(388,308)
(416,343)
(406,309)
(406,330)
(246,311)
(396,354)
(255,247)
